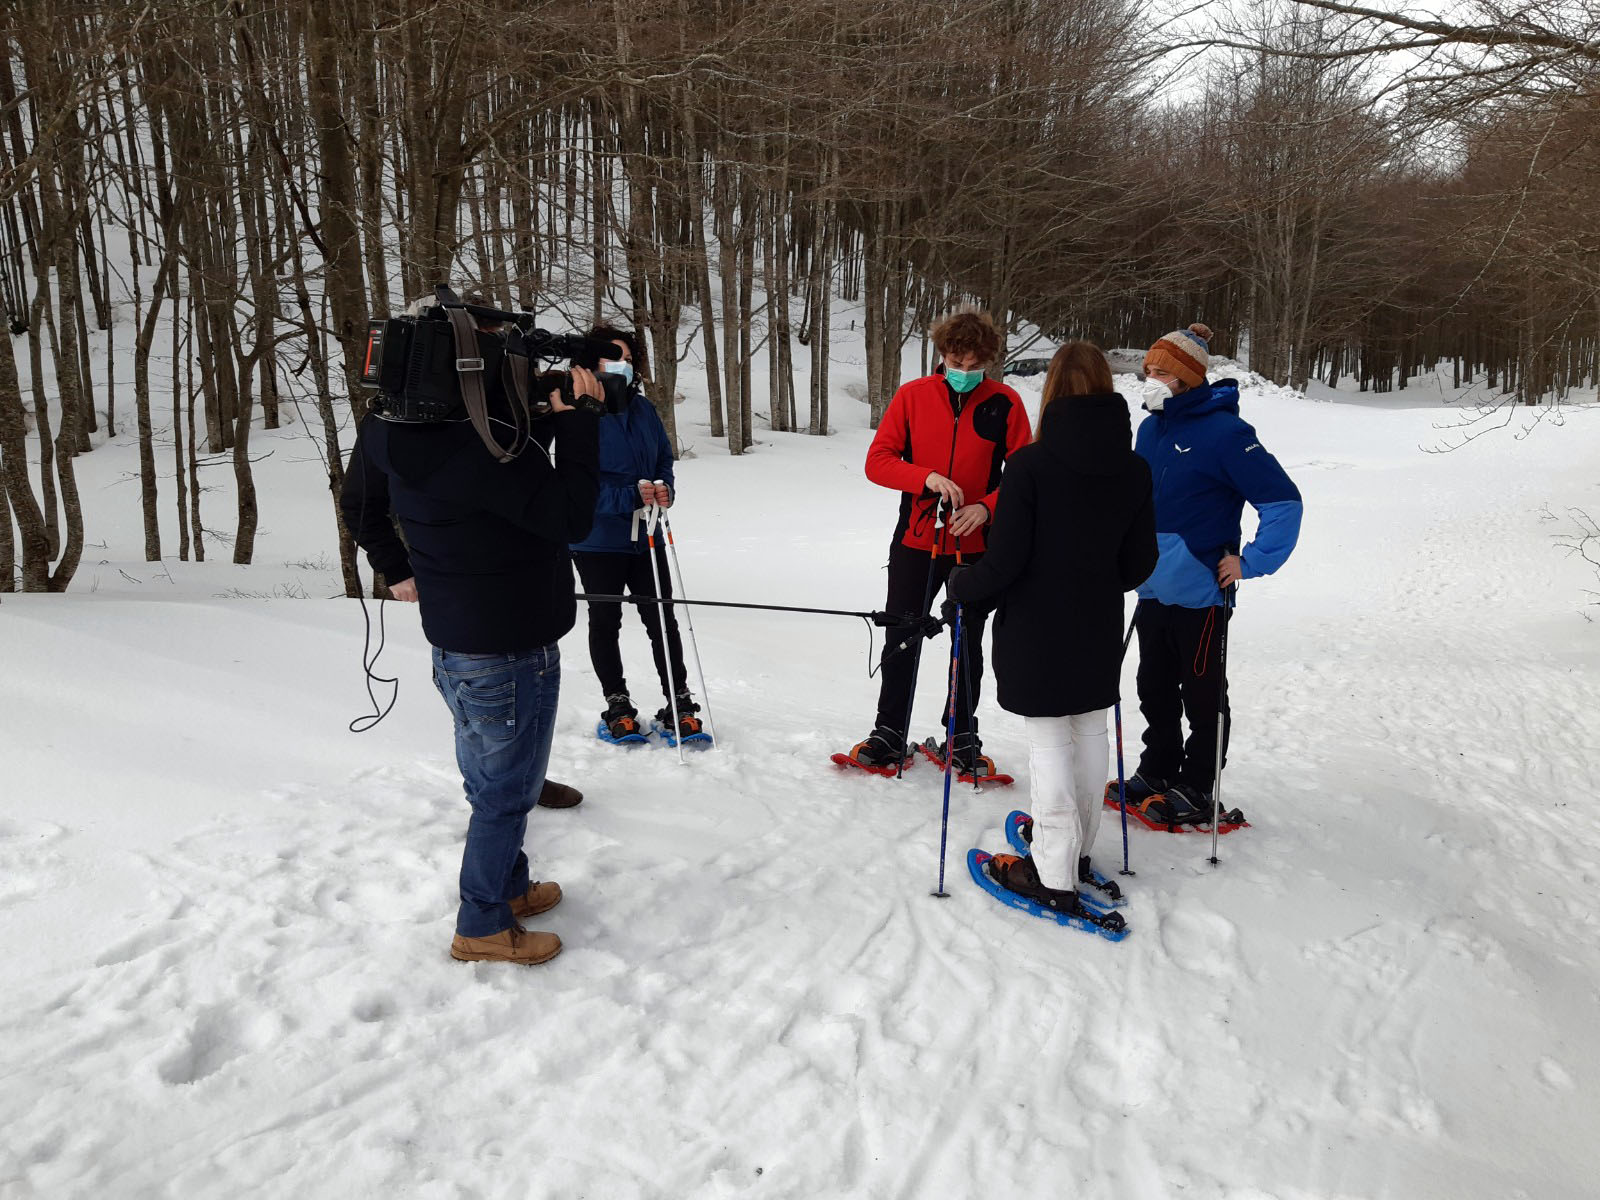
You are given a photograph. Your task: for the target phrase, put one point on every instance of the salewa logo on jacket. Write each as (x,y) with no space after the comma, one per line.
(1199,498)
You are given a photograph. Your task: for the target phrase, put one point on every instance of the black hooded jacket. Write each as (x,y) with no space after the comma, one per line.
(1074,529)
(485,541)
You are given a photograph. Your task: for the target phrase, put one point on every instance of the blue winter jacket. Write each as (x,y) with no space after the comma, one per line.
(1206,462)
(633,446)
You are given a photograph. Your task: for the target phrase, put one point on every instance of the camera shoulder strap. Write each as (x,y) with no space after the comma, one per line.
(514,374)
(469,368)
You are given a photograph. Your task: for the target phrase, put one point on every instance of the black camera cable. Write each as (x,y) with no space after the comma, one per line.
(369,656)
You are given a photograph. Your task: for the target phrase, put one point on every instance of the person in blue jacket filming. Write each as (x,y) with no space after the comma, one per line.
(1207,463)
(615,558)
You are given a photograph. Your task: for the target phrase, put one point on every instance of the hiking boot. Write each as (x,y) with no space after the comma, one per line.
(559,795)
(1018,874)
(514,945)
(1180,804)
(540,897)
(621,718)
(688,723)
(883,750)
(1140,787)
(969,761)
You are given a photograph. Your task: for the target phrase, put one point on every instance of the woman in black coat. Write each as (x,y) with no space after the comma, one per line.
(1074,530)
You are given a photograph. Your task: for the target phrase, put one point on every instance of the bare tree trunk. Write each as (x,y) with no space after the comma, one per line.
(177,438)
(702,269)
(337,204)
(780,333)
(747,265)
(821,310)
(111,331)
(34,538)
(363,65)
(333,456)
(722,201)
(194,459)
(141,399)
(600,221)
(8,541)
(41,416)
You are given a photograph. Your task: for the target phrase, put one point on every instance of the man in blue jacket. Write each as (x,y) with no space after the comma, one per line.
(635,471)
(1207,463)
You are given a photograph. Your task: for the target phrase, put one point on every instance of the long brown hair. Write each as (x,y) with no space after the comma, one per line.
(1078,369)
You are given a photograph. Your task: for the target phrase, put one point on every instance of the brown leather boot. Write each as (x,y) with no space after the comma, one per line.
(541,897)
(514,945)
(559,795)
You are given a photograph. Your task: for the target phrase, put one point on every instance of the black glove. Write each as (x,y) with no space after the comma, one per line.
(952,592)
(954,585)
(906,625)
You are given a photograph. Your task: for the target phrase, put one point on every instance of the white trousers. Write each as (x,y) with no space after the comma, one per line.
(1068,758)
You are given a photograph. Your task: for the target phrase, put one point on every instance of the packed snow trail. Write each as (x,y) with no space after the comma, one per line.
(227,918)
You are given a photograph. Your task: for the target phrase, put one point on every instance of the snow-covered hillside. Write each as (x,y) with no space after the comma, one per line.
(225,918)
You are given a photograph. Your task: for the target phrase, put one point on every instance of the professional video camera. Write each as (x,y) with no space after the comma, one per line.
(432,365)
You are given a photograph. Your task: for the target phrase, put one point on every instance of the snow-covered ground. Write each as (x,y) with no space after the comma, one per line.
(225,918)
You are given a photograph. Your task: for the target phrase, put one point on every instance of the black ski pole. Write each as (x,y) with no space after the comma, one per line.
(1122,781)
(949,758)
(652,519)
(705,689)
(916,662)
(884,620)
(972,708)
(1222,718)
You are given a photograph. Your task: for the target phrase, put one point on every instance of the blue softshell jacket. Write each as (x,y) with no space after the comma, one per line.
(633,446)
(1206,463)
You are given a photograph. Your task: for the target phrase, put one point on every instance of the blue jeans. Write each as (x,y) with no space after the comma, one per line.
(504,707)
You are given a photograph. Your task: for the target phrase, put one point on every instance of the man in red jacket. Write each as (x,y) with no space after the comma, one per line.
(941,444)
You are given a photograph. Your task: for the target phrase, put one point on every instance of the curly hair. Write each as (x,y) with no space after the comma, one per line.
(968,332)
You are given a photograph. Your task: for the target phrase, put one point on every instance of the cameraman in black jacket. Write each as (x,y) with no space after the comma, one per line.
(485,555)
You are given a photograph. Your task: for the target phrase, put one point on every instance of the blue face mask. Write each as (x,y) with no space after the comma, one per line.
(962,382)
(615,366)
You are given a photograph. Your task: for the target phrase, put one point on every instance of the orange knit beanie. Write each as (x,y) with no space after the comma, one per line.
(1183,353)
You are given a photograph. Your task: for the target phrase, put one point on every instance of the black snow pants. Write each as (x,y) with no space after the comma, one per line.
(626,573)
(908,593)
(1181,675)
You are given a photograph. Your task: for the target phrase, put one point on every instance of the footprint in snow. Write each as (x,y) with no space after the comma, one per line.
(219,1035)
(1555,1076)
(146,941)
(27,866)
(1201,941)
(372,1008)
(15,833)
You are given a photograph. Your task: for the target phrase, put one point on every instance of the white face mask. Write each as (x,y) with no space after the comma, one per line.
(1156,394)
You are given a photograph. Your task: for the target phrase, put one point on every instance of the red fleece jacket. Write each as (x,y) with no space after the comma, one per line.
(965,438)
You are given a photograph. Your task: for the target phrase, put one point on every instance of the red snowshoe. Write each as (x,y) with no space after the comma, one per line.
(1179,809)
(876,755)
(971,765)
